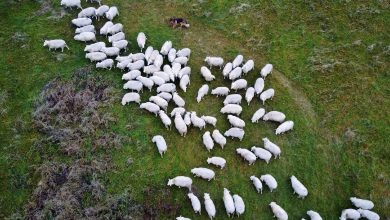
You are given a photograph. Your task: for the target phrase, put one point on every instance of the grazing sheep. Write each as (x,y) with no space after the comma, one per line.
(349,214)
(80,22)
(182,218)
(151,69)
(250,93)
(206,73)
(236,121)
(231,109)
(121,44)
(112,13)
(220,91)
(284,127)
(85,36)
(159,61)
(197,121)
(116,37)
(171,55)
(176,67)
(184,82)
(257,115)
(137,56)
(111,51)
(362,203)
(87,28)
(163,75)
(239,205)
(101,11)
(274,116)
(148,52)
(232,99)
(227,69)
(271,147)
(131,75)
(203,90)
(150,107)
(96,56)
(239,84)
(185,71)
(162,103)
(217,161)
(298,187)
(160,143)
(106,26)
(314,215)
(122,58)
(133,85)
(238,61)
(179,110)
(247,155)
(153,56)
(181,60)
(259,85)
(166,47)
(257,183)
(165,95)
(267,69)
(169,71)
(95,47)
(141,40)
(235,73)
(181,181)
(187,118)
(146,82)
(214,61)
(105,64)
(235,133)
(185,52)
(228,202)
(208,141)
(179,101)
(270,181)
(195,203)
(210,120)
(137,65)
(261,153)
(219,138)
(71,3)
(248,66)
(55,44)
(278,211)
(209,206)
(131,97)
(267,94)
(157,80)
(87,12)
(370,215)
(180,125)
(203,173)
(116,28)
(167,87)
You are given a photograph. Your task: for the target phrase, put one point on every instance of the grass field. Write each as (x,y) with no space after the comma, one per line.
(332,79)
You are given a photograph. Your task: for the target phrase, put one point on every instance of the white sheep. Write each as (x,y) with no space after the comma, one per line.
(87,12)
(150,107)
(180,125)
(182,218)
(235,73)
(203,173)
(185,52)
(172,55)
(247,155)
(105,27)
(228,202)
(236,121)
(179,101)
(95,47)
(362,203)
(210,120)
(110,51)
(284,127)
(206,73)
(55,44)
(220,91)
(235,133)
(258,115)
(219,138)
(259,85)
(197,121)
(271,147)
(122,58)
(203,90)
(141,40)
(208,141)
(270,181)
(314,215)
(274,116)
(239,205)
(267,69)
(298,187)
(165,95)
(96,56)
(184,82)
(231,109)
(209,206)
(278,211)
(232,99)
(178,110)
(71,3)
(137,56)
(121,44)
(185,71)
(227,69)
(157,80)
(162,103)
(146,82)
(148,52)
(101,11)
(87,28)
(261,153)
(116,37)
(160,143)
(239,84)
(181,181)
(131,97)
(168,70)
(131,75)
(248,66)
(257,183)
(195,203)
(217,161)
(153,56)
(267,94)
(250,93)
(151,69)
(112,13)
(176,67)
(167,87)
(85,36)
(187,118)
(116,28)
(137,65)
(370,215)
(133,85)
(238,61)
(162,75)
(181,60)
(159,61)
(214,61)
(349,214)
(166,47)
(105,64)
(80,22)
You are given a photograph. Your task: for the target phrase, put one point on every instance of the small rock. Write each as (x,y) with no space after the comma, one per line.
(60,56)
(130,161)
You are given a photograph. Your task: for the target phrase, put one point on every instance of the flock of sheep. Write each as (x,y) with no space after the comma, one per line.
(147,70)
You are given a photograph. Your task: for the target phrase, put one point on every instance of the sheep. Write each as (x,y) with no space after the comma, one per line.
(123,58)
(115,28)
(80,22)
(206,73)
(148,52)
(232,99)
(349,214)
(185,71)
(166,47)
(150,107)
(214,61)
(101,11)
(162,103)
(259,85)
(176,67)
(95,47)
(151,69)
(248,66)
(228,202)
(157,80)
(181,60)
(184,82)
(203,90)
(187,118)
(209,206)
(105,27)
(239,205)
(278,211)
(362,203)
(262,154)
(271,147)
(227,69)
(133,85)
(182,218)
(131,97)
(314,215)
(231,109)
(180,125)
(238,61)
(284,127)
(270,181)
(217,161)
(274,116)
(160,143)
(208,141)
(168,70)
(112,13)
(370,215)
(235,133)
(141,40)
(87,12)
(195,203)
(267,94)
(110,51)
(181,181)
(185,52)
(146,82)
(210,120)
(250,93)
(167,87)
(153,56)
(137,56)
(165,95)
(158,61)
(137,65)
(203,173)
(197,121)
(219,138)
(236,121)
(96,56)
(239,84)
(162,75)
(87,28)
(172,55)
(179,101)
(257,183)
(267,69)
(85,36)
(179,110)
(116,37)
(235,73)
(71,3)
(131,75)
(55,44)
(247,155)
(220,91)
(105,64)
(121,44)
(298,187)
(258,115)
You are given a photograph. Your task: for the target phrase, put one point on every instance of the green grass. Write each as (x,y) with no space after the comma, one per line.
(299,39)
